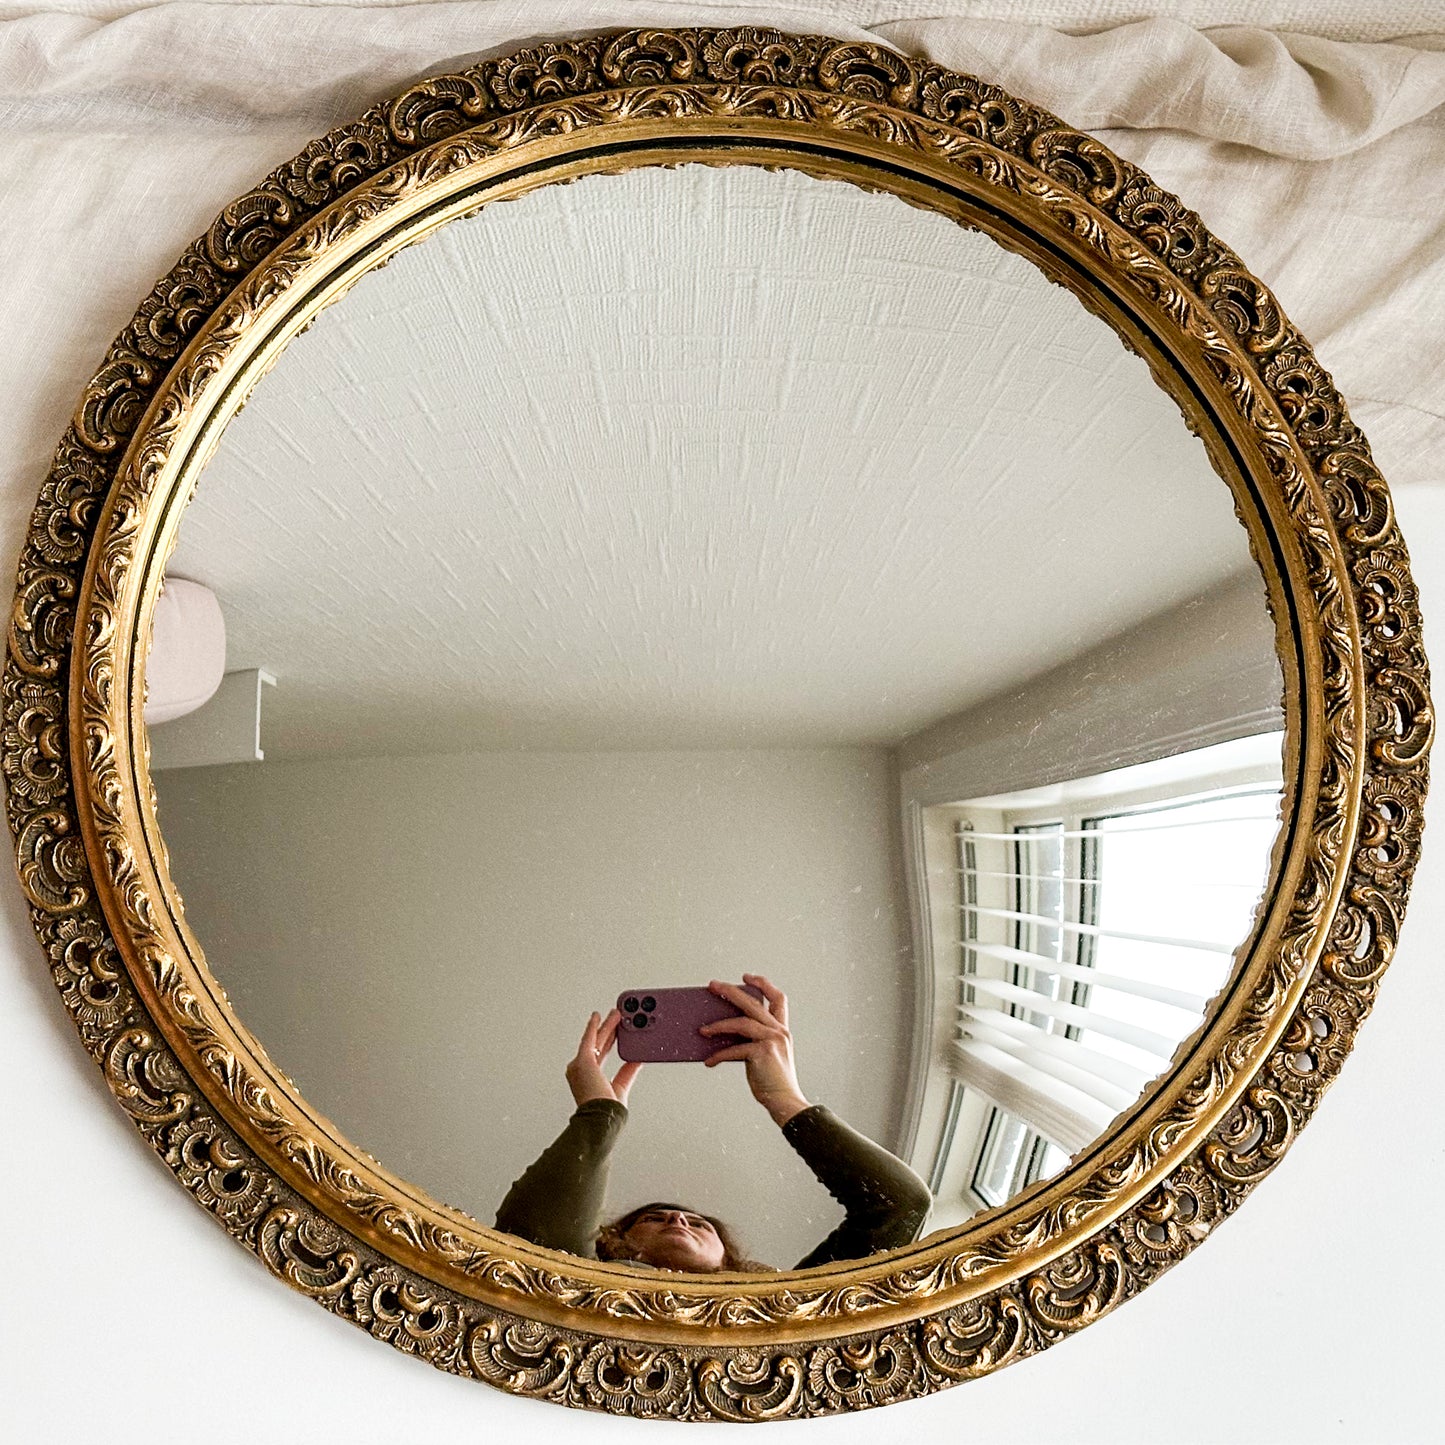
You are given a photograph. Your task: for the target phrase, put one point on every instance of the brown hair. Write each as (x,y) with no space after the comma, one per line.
(612,1246)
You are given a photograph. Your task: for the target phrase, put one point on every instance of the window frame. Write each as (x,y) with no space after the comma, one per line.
(1073,807)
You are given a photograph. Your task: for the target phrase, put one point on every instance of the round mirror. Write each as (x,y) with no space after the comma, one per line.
(773,814)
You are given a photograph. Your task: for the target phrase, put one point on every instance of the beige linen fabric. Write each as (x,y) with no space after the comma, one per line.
(1333,19)
(123,129)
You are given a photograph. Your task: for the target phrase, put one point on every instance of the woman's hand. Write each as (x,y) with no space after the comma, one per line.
(585,1076)
(767,1047)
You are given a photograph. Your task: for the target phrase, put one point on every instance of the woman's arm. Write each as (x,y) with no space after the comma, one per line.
(558,1202)
(886,1203)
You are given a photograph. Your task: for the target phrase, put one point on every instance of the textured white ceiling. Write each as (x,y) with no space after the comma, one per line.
(697,457)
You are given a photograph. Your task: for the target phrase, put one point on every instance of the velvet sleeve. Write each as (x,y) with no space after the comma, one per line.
(558,1202)
(886,1203)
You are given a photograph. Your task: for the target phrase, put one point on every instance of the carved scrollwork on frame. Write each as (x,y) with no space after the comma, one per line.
(1077,1289)
(1090,170)
(40,625)
(389,1303)
(307,1251)
(632,1379)
(146,1079)
(87,969)
(754,57)
(114,401)
(217,1172)
(34,756)
(974,1340)
(1171,1219)
(1401,719)
(1164,224)
(52,863)
(875,1370)
(1252,1138)
(323,1218)
(968,104)
(521,1356)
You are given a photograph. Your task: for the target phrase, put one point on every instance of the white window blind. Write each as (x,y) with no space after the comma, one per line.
(1091,944)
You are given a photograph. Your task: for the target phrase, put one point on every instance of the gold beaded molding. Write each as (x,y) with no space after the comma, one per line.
(428,1279)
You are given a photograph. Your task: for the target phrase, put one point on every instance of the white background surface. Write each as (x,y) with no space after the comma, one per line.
(1313,1316)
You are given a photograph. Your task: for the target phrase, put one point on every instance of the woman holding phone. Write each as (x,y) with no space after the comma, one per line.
(559,1201)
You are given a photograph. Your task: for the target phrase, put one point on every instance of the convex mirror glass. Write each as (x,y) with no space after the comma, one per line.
(706,572)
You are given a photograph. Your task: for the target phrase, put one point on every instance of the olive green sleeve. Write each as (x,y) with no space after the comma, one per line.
(558,1202)
(886,1203)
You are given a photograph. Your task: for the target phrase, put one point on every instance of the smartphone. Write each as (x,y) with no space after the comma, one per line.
(660,1025)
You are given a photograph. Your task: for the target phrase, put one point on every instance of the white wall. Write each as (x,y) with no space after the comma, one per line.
(1199,673)
(1312,1316)
(418,942)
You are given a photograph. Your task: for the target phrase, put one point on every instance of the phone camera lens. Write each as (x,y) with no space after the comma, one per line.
(630,1005)
(639,1021)
(649,1003)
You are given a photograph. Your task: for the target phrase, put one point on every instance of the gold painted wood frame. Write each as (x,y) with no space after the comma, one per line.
(371,1248)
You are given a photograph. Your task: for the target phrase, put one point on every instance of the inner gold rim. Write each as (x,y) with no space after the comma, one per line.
(182,428)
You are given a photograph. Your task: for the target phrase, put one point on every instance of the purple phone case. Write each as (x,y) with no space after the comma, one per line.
(670,1035)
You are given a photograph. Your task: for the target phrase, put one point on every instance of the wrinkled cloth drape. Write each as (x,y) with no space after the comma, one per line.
(1319,157)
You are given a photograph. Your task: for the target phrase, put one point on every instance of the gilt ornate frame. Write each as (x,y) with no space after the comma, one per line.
(369,1247)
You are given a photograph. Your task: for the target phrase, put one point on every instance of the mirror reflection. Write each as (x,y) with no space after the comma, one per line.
(734,583)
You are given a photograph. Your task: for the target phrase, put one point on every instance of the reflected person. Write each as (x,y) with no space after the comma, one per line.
(559,1201)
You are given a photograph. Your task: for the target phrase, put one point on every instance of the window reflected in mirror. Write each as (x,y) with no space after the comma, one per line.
(1095,921)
